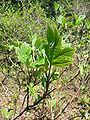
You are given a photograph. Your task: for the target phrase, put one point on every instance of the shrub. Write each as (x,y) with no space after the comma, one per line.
(16,26)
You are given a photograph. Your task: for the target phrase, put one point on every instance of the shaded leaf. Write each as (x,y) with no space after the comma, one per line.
(57,37)
(61,62)
(63,53)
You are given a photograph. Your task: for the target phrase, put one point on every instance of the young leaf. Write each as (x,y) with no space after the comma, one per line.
(20,54)
(56,5)
(4,111)
(53,102)
(34,38)
(81,69)
(24,52)
(60,19)
(25,48)
(81,17)
(31,90)
(75,16)
(87,23)
(10,113)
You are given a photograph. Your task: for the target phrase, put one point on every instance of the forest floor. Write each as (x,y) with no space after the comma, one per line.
(12,98)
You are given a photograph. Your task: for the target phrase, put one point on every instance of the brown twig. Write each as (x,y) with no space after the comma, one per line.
(45,94)
(24,101)
(35,103)
(56,89)
(59,114)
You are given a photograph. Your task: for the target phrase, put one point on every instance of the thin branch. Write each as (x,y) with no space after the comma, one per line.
(35,103)
(67,36)
(59,114)
(16,65)
(24,101)
(73,77)
(56,89)
(44,96)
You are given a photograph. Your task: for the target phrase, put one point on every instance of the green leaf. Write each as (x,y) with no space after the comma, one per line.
(57,37)
(57,52)
(37,73)
(88,104)
(39,97)
(11,47)
(75,19)
(63,53)
(53,102)
(26,48)
(50,35)
(81,17)
(18,51)
(87,23)
(21,55)
(15,43)
(48,52)
(64,44)
(52,42)
(56,5)
(39,62)
(43,80)
(82,88)
(46,64)
(4,111)
(10,113)
(60,19)
(31,90)
(61,62)
(65,20)
(5,46)
(34,38)
(81,69)
(75,16)
(24,53)
(82,112)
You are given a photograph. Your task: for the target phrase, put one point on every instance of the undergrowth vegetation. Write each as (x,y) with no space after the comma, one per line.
(44,59)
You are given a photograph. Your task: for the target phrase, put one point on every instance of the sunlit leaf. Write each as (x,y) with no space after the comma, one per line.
(56,5)
(60,19)
(81,17)
(4,111)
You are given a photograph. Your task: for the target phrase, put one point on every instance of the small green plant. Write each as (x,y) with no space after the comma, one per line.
(6,113)
(84,99)
(82,88)
(84,114)
(39,64)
